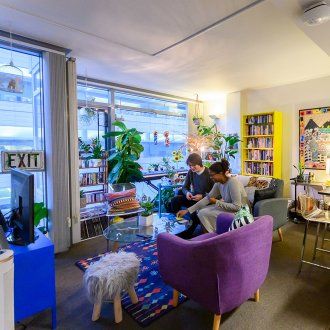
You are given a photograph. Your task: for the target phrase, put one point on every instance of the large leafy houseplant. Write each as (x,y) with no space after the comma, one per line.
(123,157)
(223,145)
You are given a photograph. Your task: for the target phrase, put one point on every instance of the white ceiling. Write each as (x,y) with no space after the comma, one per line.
(113,40)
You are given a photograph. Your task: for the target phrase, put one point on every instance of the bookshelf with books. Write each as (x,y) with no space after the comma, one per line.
(261,146)
(93,185)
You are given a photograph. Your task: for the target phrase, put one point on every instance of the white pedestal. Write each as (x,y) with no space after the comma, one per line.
(7,290)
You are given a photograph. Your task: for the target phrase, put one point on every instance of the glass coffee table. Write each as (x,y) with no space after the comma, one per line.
(129,231)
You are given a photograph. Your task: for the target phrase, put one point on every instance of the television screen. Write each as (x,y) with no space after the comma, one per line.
(22,203)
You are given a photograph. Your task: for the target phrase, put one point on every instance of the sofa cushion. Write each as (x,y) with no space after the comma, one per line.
(243,179)
(263,194)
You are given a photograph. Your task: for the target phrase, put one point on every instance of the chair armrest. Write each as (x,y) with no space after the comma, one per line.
(224,221)
(276,207)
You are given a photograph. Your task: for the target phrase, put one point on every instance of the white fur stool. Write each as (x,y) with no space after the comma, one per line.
(106,278)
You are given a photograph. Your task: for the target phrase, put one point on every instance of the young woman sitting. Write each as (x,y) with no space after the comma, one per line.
(232,193)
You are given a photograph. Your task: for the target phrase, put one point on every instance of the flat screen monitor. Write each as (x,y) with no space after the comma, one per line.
(22,203)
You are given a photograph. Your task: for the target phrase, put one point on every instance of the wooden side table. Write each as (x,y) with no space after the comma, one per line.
(324,219)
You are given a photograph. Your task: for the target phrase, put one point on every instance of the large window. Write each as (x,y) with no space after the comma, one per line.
(146,114)
(21,124)
(154,117)
(92,113)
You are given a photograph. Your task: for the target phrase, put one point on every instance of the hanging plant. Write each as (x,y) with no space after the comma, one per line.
(197,120)
(11,76)
(87,115)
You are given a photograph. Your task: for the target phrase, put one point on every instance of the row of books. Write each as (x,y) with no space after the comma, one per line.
(87,179)
(260,154)
(259,168)
(260,142)
(93,227)
(261,119)
(94,197)
(260,129)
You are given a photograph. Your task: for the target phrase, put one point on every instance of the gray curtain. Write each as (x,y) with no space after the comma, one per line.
(56,145)
(74,152)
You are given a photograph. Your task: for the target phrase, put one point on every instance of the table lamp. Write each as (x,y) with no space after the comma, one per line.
(327,171)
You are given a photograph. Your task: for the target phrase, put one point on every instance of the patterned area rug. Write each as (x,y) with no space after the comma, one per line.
(155,297)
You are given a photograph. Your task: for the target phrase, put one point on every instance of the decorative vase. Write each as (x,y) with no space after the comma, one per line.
(146,221)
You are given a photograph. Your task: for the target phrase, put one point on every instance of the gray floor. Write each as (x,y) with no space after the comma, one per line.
(287,301)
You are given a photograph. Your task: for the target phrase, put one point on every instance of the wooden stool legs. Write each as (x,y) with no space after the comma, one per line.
(96,312)
(116,306)
(117,309)
(132,295)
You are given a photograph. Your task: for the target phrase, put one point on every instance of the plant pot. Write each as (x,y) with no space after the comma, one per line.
(300,178)
(96,162)
(197,121)
(146,221)
(83,202)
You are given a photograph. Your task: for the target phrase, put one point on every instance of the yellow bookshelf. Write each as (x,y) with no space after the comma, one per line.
(262,144)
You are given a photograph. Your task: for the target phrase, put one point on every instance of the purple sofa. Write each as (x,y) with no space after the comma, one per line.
(218,270)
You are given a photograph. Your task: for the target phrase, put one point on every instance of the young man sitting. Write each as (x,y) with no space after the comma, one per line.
(195,187)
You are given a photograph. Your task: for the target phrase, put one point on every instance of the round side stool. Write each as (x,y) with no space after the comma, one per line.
(106,278)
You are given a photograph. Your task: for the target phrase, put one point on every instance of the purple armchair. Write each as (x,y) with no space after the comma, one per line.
(218,271)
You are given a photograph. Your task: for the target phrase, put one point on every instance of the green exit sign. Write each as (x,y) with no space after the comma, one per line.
(24,160)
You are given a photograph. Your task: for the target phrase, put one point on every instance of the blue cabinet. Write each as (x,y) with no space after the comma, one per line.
(34,278)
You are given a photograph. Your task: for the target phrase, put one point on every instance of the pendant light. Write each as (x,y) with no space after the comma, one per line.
(197,118)
(11,77)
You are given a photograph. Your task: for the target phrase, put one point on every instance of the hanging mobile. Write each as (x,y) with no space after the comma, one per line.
(167,138)
(155,137)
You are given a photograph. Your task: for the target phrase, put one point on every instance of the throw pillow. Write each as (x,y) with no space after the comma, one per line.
(262,184)
(262,194)
(252,182)
(242,217)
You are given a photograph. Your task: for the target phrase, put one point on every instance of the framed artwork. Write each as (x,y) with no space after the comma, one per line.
(314,137)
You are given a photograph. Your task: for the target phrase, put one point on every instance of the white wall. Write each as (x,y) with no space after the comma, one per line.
(289,99)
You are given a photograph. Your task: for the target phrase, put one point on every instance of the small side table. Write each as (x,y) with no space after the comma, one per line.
(121,232)
(322,219)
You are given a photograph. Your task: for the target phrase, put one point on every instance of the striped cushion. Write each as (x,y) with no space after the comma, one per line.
(242,217)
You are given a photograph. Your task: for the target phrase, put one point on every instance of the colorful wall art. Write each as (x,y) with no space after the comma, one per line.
(314,137)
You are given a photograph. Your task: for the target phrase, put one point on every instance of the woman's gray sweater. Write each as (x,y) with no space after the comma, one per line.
(232,193)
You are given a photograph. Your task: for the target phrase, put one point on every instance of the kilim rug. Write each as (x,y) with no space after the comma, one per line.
(155,297)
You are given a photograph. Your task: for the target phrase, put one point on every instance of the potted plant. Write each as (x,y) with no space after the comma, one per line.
(197,120)
(301,170)
(223,146)
(40,212)
(83,201)
(168,168)
(97,152)
(147,217)
(123,164)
